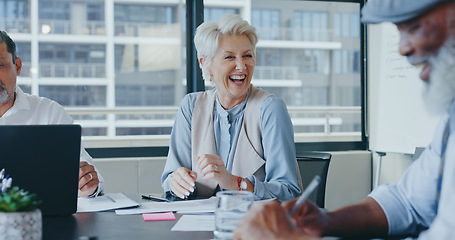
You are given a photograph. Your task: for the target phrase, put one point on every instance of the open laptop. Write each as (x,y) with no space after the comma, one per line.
(44,159)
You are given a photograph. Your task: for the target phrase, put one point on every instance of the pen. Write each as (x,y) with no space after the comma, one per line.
(313,184)
(150,197)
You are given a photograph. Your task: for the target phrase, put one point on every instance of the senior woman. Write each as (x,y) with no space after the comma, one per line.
(236,136)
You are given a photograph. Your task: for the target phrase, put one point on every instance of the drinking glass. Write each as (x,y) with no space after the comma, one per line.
(231,207)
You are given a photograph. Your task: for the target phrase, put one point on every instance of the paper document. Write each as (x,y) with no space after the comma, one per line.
(187,207)
(195,223)
(107,202)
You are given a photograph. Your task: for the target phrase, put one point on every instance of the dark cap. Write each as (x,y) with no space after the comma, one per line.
(396,11)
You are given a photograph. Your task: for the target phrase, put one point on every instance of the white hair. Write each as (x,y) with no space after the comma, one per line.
(5,95)
(439,93)
(208,35)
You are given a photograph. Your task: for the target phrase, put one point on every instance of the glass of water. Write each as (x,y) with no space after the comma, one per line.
(231,207)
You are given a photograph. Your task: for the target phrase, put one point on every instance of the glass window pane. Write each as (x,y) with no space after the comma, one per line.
(140,64)
(147,75)
(267,23)
(94,96)
(84,17)
(15,16)
(325,73)
(213,14)
(146,20)
(23,50)
(72,60)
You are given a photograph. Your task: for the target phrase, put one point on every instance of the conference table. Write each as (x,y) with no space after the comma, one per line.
(107,225)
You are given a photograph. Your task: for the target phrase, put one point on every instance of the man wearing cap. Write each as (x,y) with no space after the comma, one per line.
(422,203)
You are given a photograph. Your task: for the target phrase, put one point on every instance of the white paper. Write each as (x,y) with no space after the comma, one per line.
(189,206)
(107,202)
(195,223)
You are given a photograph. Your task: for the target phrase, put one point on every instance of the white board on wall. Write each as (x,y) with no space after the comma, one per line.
(398,119)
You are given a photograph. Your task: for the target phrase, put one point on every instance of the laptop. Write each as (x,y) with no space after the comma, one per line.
(44,159)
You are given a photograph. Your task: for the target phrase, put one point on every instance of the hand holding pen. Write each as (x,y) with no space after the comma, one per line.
(313,184)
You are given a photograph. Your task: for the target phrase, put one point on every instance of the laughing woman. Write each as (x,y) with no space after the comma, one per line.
(235,136)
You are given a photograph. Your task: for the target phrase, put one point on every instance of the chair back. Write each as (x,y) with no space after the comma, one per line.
(311,164)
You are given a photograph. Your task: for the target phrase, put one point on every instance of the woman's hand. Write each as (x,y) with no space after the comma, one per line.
(212,167)
(182,182)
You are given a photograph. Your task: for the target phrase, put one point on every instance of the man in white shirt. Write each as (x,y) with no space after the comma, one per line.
(19,108)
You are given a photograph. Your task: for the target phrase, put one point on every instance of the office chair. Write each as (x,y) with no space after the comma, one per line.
(311,164)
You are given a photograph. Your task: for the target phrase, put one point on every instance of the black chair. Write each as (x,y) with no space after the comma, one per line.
(310,165)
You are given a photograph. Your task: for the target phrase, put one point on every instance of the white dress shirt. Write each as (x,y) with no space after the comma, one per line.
(410,204)
(33,110)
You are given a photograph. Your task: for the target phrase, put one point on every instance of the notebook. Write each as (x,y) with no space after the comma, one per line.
(44,159)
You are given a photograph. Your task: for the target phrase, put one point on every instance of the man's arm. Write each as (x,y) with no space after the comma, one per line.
(364,219)
(267,220)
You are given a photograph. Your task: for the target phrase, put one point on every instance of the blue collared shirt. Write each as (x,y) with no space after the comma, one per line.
(277,138)
(410,204)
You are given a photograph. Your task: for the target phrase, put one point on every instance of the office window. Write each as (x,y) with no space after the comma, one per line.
(95,11)
(23,50)
(72,60)
(150,68)
(15,16)
(346,61)
(94,96)
(310,25)
(319,72)
(212,14)
(347,25)
(308,53)
(146,20)
(84,17)
(268,57)
(148,75)
(267,23)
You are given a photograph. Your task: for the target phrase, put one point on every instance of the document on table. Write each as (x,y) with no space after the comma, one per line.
(186,207)
(195,223)
(107,202)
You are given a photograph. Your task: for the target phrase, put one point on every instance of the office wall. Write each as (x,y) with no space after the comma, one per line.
(348,181)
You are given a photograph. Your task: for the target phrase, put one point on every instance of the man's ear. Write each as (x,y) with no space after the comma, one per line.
(18,66)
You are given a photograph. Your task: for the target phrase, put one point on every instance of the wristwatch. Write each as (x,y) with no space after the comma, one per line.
(242,183)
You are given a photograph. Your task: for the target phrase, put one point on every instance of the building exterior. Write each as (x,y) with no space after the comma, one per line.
(118,66)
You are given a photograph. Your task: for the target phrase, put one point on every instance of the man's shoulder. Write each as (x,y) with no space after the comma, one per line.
(41,101)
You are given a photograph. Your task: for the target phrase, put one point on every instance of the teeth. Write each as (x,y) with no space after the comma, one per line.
(237,77)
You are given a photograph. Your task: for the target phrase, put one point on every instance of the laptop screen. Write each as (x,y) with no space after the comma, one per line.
(44,159)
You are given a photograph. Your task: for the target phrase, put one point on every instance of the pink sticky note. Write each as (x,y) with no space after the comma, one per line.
(167,216)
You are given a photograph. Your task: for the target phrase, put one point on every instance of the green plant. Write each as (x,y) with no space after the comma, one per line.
(18,200)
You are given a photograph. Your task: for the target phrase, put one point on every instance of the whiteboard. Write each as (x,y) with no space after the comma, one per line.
(398,120)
